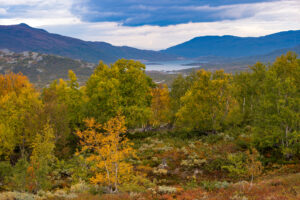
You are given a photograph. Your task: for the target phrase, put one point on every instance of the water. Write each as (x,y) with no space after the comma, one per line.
(170,65)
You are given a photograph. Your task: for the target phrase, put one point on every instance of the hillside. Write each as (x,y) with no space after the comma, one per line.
(19,38)
(232,46)
(235,64)
(43,68)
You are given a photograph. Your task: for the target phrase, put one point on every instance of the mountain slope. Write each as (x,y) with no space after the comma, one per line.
(231,46)
(42,68)
(22,37)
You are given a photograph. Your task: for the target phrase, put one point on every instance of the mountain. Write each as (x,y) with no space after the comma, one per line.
(19,38)
(211,52)
(234,47)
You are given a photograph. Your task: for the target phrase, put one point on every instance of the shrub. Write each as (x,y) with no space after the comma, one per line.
(212,185)
(166,189)
(244,165)
(80,187)
(17,196)
(5,172)
(19,171)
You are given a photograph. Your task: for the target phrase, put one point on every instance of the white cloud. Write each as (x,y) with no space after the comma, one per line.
(257,19)
(36,3)
(3,11)
(17,2)
(38,12)
(41,22)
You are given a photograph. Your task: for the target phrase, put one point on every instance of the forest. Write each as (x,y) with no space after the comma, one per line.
(211,135)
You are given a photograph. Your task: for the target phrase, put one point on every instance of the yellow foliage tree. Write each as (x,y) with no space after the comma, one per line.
(109,151)
(160,105)
(19,113)
(13,83)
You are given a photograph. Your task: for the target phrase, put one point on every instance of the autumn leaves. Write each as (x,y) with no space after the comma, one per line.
(107,147)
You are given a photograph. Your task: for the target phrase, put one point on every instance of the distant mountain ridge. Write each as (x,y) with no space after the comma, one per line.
(217,50)
(19,38)
(234,47)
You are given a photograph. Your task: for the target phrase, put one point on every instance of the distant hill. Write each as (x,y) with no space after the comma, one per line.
(41,69)
(236,64)
(19,38)
(234,47)
(272,55)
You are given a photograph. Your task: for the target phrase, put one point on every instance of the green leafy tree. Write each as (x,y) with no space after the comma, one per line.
(179,87)
(122,87)
(63,107)
(277,118)
(207,103)
(247,89)
(41,159)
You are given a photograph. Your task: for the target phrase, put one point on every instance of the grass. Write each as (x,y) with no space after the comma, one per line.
(284,187)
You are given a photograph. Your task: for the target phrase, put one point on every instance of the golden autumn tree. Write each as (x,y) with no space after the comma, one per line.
(13,83)
(109,150)
(160,105)
(19,113)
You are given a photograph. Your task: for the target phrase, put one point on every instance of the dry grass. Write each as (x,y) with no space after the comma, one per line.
(286,187)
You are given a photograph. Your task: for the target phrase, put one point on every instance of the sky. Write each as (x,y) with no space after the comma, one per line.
(153,24)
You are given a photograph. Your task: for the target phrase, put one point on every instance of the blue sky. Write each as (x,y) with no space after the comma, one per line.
(153,24)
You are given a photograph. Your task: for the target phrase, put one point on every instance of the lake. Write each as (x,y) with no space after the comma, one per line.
(170,65)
